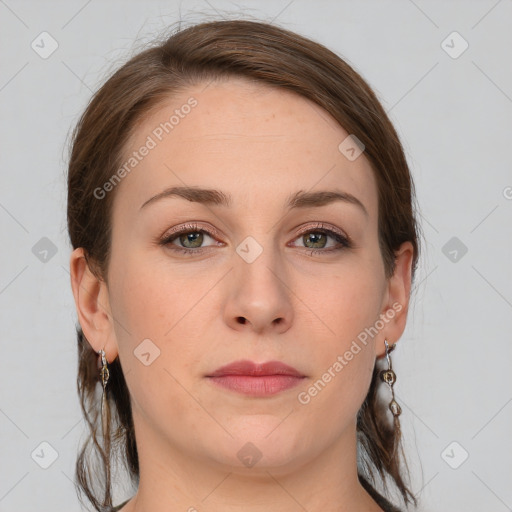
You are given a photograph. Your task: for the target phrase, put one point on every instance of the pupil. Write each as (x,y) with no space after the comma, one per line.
(316,238)
(191,238)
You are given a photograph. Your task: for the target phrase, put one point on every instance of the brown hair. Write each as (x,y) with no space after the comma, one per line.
(205,52)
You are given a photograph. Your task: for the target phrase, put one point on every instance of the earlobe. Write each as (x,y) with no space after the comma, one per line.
(92,305)
(396,305)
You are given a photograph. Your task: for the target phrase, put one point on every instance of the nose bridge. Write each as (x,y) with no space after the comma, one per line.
(258,263)
(260,293)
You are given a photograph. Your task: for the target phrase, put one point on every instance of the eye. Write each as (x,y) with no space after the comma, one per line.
(191,239)
(187,239)
(321,240)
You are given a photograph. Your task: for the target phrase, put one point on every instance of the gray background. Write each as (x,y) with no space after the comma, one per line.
(453,115)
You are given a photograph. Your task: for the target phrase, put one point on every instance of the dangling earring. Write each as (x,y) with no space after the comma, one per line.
(104,379)
(389,377)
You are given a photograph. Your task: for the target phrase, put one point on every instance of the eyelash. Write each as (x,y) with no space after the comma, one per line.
(194,228)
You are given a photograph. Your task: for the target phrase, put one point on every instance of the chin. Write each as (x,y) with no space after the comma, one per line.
(261,444)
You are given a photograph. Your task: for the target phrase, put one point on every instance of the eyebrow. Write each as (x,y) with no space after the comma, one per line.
(300,199)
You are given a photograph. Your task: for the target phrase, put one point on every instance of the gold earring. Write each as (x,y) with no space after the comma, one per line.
(389,377)
(105,374)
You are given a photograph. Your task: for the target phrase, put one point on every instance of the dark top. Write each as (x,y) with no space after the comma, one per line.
(119,507)
(383,503)
(380,500)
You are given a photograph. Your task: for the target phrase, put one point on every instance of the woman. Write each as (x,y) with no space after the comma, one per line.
(241,214)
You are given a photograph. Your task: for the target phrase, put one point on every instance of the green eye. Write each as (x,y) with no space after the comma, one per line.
(192,240)
(318,239)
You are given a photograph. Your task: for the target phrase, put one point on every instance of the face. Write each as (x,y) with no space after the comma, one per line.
(257,271)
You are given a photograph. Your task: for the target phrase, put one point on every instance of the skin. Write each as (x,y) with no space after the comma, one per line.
(260,145)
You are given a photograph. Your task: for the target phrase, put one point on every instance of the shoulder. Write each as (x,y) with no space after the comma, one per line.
(385,504)
(119,507)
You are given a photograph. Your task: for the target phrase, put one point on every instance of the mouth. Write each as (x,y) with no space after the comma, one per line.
(257,380)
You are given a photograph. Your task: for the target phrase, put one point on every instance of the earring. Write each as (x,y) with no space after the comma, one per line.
(104,379)
(389,377)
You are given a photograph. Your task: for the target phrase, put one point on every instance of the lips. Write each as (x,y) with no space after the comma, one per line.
(257,380)
(256,370)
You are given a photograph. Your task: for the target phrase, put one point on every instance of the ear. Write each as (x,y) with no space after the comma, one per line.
(396,299)
(92,305)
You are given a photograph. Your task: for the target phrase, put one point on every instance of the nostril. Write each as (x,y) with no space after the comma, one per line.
(241,320)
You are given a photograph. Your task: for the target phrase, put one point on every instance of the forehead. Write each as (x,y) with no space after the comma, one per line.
(246,138)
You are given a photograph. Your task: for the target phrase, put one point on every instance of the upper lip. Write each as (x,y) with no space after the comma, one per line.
(245,367)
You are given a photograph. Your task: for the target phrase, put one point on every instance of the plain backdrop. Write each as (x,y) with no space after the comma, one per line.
(442,70)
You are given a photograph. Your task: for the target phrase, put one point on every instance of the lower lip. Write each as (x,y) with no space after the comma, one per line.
(266,385)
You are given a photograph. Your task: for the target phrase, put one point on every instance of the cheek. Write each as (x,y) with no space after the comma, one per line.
(349,308)
(336,396)
(153,313)
(348,301)
(171,307)
(150,298)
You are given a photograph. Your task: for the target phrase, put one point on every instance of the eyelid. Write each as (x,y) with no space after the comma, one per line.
(329,229)
(210,230)
(322,225)
(191,226)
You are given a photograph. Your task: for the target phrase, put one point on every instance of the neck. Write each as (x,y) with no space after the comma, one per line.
(171,479)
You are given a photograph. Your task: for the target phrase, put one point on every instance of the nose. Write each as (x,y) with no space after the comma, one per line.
(259,295)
